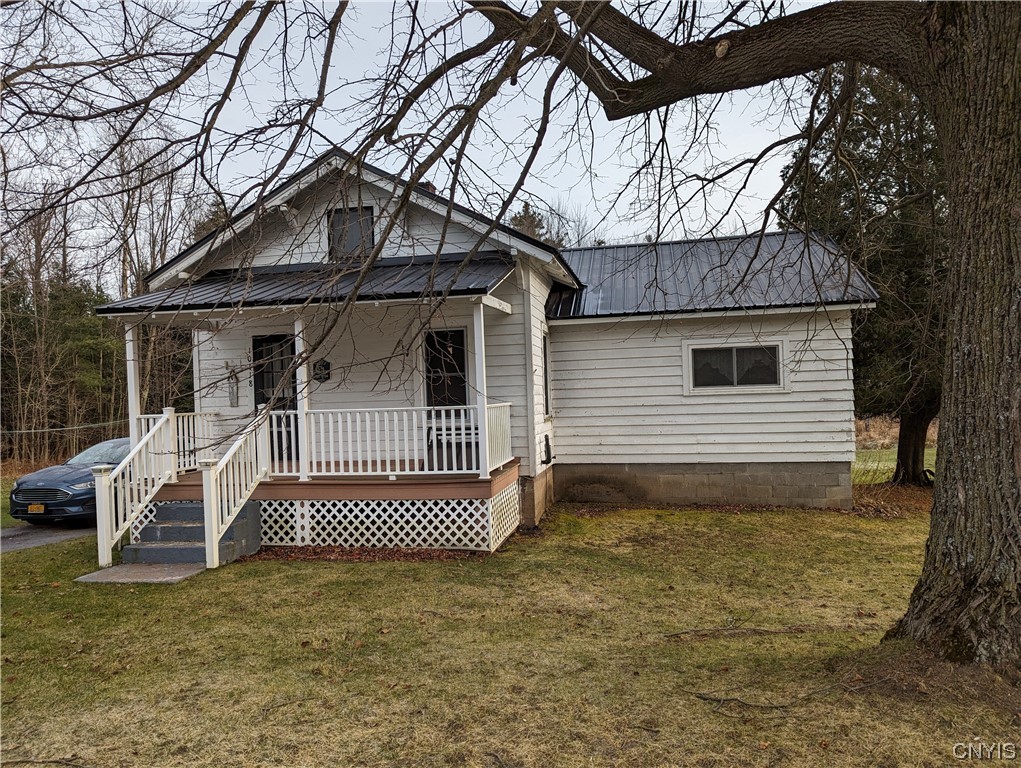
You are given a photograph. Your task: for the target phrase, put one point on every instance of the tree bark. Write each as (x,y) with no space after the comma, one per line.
(914,429)
(967,605)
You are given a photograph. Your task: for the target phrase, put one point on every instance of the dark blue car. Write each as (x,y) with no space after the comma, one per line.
(67,491)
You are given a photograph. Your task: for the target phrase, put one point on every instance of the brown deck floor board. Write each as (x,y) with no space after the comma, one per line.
(189,487)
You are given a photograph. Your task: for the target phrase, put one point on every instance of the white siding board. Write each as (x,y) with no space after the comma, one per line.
(276,241)
(374,361)
(620,395)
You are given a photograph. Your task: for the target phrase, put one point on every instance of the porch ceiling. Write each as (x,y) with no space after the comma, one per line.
(299,284)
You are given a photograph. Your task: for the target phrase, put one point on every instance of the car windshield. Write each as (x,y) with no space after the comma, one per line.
(110,452)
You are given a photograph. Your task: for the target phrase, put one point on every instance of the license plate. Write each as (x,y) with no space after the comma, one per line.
(36,509)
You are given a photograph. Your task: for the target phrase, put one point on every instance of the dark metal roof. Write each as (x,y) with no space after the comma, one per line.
(337,153)
(298,284)
(785,269)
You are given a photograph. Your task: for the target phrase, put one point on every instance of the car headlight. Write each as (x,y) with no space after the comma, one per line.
(83,486)
(14,487)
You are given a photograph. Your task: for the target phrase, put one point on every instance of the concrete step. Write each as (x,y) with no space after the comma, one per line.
(184,512)
(190,532)
(177,535)
(173,552)
(192,512)
(177,531)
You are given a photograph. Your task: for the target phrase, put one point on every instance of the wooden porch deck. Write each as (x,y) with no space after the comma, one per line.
(189,487)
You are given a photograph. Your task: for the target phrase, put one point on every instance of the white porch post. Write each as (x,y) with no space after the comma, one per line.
(171,445)
(301,396)
(479,330)
(196,367)
(134,401)
(104,513)
(210,508)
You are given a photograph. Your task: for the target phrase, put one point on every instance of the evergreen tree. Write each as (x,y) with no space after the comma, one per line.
(879,197)
(534,224)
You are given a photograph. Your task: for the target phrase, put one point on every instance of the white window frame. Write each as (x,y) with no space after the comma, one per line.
(729,342)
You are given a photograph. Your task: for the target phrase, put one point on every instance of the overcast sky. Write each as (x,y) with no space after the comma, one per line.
(745,123)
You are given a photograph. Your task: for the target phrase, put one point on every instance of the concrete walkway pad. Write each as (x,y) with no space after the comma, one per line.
(144,574)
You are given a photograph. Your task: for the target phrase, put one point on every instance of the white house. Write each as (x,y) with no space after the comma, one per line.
(434,378)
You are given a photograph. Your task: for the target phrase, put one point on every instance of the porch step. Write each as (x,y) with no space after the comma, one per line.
(186,532)
(177,535)
(183,512)
(165,552)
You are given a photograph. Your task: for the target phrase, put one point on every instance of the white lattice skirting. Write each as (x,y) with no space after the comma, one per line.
(475,524)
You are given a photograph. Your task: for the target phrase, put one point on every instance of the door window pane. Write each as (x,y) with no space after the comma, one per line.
(446,368)
(272,357)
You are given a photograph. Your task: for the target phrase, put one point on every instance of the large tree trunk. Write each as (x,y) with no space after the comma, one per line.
(966,605)
(911,437)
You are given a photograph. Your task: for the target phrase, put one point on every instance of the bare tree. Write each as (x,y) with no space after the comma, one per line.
(441,91)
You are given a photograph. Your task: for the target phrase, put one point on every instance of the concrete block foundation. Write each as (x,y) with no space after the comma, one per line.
(537,493)
(794,484)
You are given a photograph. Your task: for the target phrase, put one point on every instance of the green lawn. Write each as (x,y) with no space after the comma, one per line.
(876,466)
(6,521)
(587,644)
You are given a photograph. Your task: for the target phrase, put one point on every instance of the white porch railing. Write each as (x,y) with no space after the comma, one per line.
(389,441)
(393,441)
(229,483)
(498,434)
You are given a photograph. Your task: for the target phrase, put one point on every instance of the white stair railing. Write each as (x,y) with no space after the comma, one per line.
(171,443)
(124,491)
(228,484)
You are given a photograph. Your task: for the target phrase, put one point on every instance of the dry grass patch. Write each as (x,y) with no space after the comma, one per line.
(887,500)
(608,638)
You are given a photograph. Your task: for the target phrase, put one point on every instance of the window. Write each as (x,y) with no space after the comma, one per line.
(446,369)
(545,375)
(735,367)
(351,231)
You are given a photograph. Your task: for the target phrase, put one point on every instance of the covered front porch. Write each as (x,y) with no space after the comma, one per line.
(433,465)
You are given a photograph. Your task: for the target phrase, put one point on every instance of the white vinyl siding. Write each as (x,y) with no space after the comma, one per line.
(368,368)
(620,393)
(302,236)
(540,288)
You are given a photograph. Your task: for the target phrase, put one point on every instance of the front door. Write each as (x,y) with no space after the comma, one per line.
(275,381)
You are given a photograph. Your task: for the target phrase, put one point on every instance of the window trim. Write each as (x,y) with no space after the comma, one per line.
(330,256)
(731,342)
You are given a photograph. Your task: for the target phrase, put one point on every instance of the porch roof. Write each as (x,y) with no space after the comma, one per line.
(298,284)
